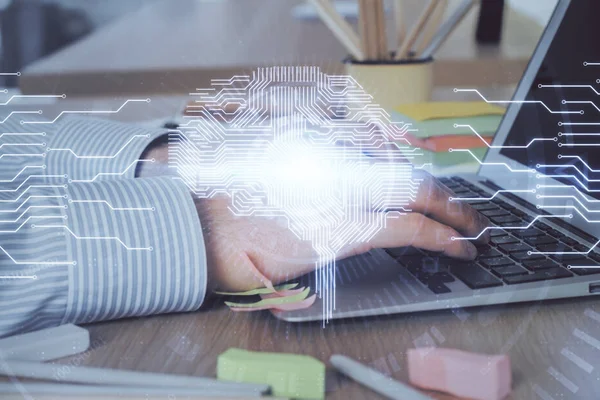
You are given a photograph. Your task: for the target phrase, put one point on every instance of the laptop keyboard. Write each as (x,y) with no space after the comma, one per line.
(505,260)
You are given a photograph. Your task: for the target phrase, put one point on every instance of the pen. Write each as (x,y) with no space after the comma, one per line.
(375,380)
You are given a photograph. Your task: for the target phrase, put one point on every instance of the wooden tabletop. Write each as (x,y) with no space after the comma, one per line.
(554,346)
(172,46)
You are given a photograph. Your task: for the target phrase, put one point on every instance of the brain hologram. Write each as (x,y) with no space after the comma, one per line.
(297,143)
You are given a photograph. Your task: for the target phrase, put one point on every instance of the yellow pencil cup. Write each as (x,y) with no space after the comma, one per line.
(392,83)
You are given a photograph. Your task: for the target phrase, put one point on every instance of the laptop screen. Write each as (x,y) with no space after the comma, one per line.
(563,102)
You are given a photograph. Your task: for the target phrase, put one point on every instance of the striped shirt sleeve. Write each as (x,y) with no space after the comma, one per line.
(81,240)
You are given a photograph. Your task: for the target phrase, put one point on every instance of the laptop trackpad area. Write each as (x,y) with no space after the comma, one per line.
(369,284)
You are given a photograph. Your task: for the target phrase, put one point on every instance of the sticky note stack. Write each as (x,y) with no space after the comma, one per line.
(289,375)
(437,128)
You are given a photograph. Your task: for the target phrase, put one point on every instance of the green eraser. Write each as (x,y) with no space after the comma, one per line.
(289,375)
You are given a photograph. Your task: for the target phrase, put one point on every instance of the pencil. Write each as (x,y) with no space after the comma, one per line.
(414,33)
(432,26)
(375,380)
(382,51)
(363,26)
(339,27)
(399,23)
(448,27)
(116,377)
(61,391)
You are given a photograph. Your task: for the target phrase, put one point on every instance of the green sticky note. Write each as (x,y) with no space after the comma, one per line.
(276,300)
(254,292)
(444,159)
(485,125)
(289,375)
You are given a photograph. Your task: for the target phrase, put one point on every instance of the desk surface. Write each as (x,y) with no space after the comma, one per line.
(554,345)
(543,339)
(172,46)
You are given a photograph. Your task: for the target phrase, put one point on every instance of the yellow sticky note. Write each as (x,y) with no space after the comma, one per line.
(443,109)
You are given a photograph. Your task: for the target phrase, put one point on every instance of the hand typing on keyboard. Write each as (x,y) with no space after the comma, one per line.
(237,245)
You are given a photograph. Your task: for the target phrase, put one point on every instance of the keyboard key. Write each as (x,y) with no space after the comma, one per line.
(433,265)
(569,241)
(508,207)
(460,190)
(523,256)
(485,206)
(503,240)
(567,258)
(424,268)
(479,202)
(540,240)
(489,253)
(542,226)
(529,232)
(515,247)
(564,252)
(510,270)
(555,233)
(494,213)
(412,264)
(437,286)
(594,256)
(497,232)
(542,263)
(444,277)
(505,221)
(474,276)
(581,247)
(527,218)
(519,213)
(398,252)
(547,274)
(496,262)
(594,267)
(585,271)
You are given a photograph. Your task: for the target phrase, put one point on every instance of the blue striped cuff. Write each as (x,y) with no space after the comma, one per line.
(33,260)
(139,249)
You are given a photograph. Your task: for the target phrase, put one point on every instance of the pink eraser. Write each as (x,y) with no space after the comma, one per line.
(463,374)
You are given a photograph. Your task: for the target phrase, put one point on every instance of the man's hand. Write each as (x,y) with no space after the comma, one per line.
(236,246)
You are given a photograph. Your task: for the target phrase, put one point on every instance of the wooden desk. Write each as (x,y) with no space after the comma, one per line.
(539,337)
(176,46)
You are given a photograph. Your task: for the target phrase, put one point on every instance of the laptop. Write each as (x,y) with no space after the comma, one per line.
(550,256)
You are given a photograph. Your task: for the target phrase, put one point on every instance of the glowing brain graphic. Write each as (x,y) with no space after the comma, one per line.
(298,143)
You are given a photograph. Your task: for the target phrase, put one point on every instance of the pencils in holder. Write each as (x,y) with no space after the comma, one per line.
(429,32)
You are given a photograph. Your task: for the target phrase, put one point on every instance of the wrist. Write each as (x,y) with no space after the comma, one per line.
(158,152)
